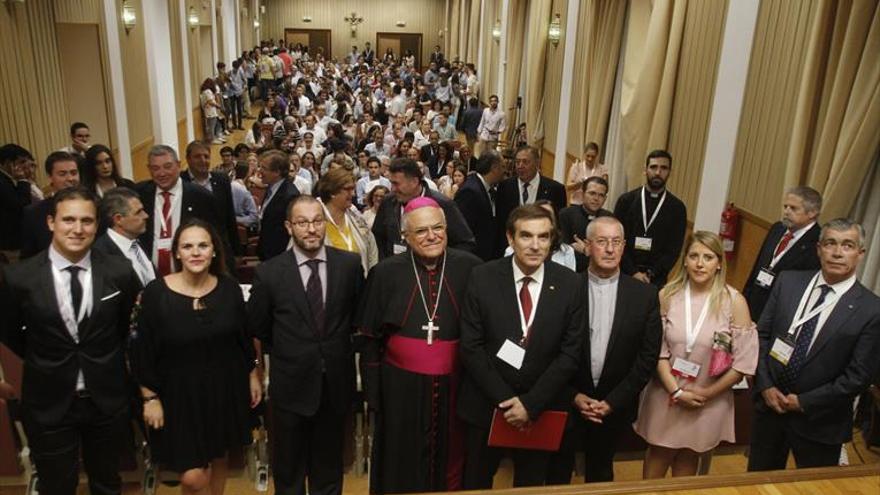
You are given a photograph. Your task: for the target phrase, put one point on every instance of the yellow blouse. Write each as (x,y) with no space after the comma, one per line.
(342,240)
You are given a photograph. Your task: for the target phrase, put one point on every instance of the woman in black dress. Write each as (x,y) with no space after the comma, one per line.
(195,363)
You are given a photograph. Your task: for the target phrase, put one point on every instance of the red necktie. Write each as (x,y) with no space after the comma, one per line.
(525,300)
(783,243)
(164,233)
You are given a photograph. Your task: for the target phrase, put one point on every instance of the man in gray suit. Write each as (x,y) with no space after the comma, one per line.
(820,337)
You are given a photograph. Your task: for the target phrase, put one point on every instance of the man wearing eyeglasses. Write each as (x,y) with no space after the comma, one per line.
(410,320)
(301,307)
(820,338)
(619,356)
(573,220)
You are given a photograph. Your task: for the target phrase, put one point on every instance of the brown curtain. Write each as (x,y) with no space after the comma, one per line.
(649,84)
(837,124)
(600,31)
(473,33)
(536,43)
(516,39)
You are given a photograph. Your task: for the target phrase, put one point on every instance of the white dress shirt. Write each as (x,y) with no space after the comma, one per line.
(61,281)
(837,291)
(305,272)
(534,289)
(176,205)
(533,190)
(133,251)
(603,299)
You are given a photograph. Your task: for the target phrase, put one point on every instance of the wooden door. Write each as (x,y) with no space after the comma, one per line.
(400,43)
(315,39)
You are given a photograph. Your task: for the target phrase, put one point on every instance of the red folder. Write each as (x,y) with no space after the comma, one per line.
(543,434)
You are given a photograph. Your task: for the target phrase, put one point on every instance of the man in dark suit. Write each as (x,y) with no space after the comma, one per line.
(619,357)
(301,307)
(523,302)
(574,219)
(527,187)
(274,236)
(368,54)
(170,201)
(15,196)
(476,201)
(820,337)
(66,313)
(406,184)
(790,245)
(429,154)
(198,159)
(62,170)
(655,222)
(123,214)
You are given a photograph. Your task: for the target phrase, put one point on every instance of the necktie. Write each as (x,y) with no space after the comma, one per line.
(315,296)
(525,193)
(76,290)
(525,301)
(145,272)
(804,339)
(165,233)
(783,243)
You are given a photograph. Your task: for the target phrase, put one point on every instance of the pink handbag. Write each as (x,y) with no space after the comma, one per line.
(722,354)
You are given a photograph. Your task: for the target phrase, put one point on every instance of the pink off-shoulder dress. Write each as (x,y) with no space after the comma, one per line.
(675,426)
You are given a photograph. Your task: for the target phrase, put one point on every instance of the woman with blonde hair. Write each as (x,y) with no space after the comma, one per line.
(346,227)
(709,344)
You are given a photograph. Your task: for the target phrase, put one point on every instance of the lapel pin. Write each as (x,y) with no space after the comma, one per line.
(850,306)
(189,208)
(552,288)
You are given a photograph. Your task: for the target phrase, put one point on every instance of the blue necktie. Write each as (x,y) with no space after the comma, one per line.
(791,372)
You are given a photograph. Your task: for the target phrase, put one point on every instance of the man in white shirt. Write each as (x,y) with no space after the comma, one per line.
(397,105)
(374,168)
(377,147)
(122,211)
(624,342)
(79,140)
(311,125)
(492,126)
(445,130)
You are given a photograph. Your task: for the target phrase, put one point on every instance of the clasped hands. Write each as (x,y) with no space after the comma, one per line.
(592,409)
(781,403)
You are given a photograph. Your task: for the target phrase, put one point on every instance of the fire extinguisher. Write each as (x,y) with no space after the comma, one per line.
(729,223)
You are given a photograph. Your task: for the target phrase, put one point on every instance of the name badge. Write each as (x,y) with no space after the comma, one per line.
(643,243)
(685,368)
(781,351)
(765,278)
(163,244)
(399,248)
(511,354)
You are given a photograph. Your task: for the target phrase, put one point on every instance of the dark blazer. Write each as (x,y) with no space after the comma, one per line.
(35,233)
(274,237)
(429,157)
(196,202)
(839,366)
(667,234)
(490,316)
(32,328)
(573,220)
(509,195)
(802,255)
(476,208)
(105,245)
(14,198)
(631,357)
(221,188)
(386,226)
(279,315)
(368,56)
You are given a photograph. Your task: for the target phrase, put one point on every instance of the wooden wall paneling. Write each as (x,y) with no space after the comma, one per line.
(139,159)
(134,70)
(750,235)
(82,72)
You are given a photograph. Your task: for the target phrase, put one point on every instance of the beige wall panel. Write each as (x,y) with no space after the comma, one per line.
(78,11)
(32,109)
(134,71)
(694,92)
(765,127)
(420,16)
(79,49)
(195,56)
(177,60)
(205,69)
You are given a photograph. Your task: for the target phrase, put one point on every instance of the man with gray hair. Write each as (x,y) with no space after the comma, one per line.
(170,201)
(790,245)
(123,214)
(820,337)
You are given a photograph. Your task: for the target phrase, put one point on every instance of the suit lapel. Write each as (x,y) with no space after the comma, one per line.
(616,325)
(98,274)
(333,275)
(299,292)
(544,299)
(47,283)
(846,307)
(513,328)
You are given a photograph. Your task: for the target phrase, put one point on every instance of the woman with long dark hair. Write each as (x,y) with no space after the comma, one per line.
(100,172)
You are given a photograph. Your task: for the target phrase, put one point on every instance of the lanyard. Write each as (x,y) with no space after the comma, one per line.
(348,239)
(527,325)
(647,223)
(693,330)
(830,299)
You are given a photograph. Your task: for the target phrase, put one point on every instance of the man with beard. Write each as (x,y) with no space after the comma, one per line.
(410,316)
(654,221)
(790,245)
(300,308)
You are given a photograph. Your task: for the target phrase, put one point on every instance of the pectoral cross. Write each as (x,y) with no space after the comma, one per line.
(430,328)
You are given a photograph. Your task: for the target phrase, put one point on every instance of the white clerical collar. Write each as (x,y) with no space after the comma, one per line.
(595,279)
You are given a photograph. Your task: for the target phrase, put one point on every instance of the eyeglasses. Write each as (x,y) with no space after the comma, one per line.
(422,232)
(304,224)
(603,242)
(845,246)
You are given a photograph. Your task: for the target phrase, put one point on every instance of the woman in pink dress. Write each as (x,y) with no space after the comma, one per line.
(582,170)
(709,344)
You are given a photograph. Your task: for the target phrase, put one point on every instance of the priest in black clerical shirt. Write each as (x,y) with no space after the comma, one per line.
(410,317)
(654,221)
(574,219)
